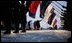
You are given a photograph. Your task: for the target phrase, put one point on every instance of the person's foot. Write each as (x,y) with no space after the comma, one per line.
(16,32)
(6,32)
(50,28)
(23,31)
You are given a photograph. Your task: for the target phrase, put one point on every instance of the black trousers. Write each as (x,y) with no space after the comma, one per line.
(16,19)
(23,20)
(29,25)
(7,25)
(20,17)
(36,25)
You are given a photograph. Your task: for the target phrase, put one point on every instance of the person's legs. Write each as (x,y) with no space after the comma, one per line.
(16,26)
(23,24)
(29,25)
(7,21)
(36,25)
(16,19)
(7,26)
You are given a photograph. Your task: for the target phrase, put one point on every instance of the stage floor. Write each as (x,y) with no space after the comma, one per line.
(37,36)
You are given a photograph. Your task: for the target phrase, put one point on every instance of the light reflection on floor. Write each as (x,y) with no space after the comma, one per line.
(37,36)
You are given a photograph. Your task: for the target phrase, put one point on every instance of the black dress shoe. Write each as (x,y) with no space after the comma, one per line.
(16,32)
(7,32)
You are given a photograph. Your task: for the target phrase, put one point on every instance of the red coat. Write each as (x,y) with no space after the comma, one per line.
(33,6)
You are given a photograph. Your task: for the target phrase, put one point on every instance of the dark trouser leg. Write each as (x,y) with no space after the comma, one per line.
(29,26)
(23,24)
(38,26)
(8,26)
(16,26)
(34,25)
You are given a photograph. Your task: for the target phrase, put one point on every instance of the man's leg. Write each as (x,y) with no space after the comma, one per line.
(23,24)
(16,27)
(16,20)
(8,27)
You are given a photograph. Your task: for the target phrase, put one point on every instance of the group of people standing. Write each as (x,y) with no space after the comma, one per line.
(15,12)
